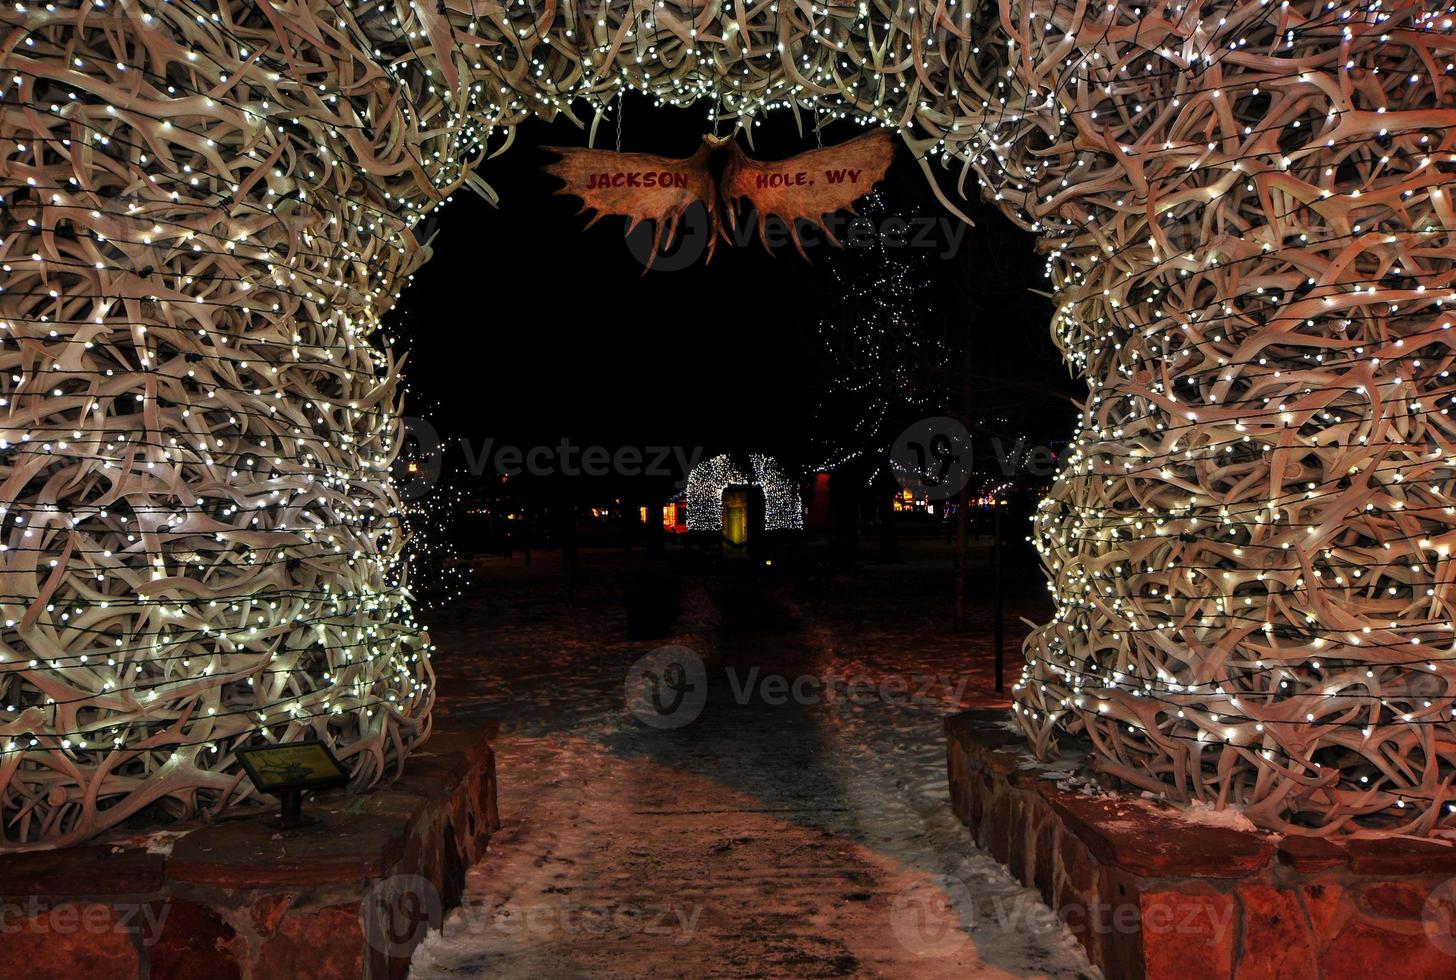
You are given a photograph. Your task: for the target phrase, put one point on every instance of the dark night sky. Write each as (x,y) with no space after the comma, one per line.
(527,328)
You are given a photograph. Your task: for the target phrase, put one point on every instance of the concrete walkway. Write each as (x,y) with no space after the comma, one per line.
(757,834)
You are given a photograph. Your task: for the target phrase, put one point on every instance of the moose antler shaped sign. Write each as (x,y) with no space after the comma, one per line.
(646,187)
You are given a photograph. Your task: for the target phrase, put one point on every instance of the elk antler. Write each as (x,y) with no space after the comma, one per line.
(808,186)
(640,186)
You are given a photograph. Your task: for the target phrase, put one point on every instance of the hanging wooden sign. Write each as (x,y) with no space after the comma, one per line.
(645,187)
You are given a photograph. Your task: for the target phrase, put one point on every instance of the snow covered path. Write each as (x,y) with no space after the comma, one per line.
(787,828)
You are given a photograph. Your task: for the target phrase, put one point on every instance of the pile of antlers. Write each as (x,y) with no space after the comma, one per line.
(1247,214)
(1249,545)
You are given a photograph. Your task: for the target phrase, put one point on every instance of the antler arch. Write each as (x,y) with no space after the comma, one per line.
(209,207)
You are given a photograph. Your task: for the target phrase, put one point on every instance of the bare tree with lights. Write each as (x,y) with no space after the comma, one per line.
(892,355)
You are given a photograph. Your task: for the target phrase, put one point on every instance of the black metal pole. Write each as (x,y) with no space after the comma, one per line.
(292,808)
(996,575)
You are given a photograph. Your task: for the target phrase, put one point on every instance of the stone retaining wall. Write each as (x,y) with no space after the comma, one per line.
(1150,894)
(348,897)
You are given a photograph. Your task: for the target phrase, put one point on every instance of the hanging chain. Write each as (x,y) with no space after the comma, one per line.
(620,103)
(818,127)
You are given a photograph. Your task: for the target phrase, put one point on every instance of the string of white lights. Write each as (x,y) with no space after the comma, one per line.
(1248,544)
(1246,207)
(782,510)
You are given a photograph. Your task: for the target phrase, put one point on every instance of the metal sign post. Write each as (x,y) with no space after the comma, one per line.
(996,612)
(287,770)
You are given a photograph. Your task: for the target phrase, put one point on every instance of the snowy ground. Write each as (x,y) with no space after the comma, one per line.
(765,827)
